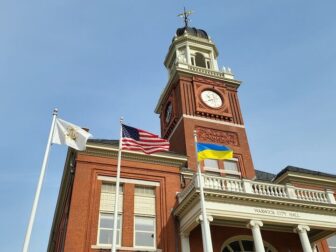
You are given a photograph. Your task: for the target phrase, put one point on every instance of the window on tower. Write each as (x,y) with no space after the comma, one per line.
(200,60)
(106,214)
(231,166)
(228,167)
(144,217)
(211,165)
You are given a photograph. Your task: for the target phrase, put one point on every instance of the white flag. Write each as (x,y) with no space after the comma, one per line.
(70,134)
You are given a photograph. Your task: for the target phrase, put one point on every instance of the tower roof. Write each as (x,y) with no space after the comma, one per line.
(192,31)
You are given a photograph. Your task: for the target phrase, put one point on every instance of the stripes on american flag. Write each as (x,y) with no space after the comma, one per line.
(140,140)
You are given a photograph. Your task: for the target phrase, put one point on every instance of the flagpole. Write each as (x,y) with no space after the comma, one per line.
(116,200)
(39,185)
(205,225)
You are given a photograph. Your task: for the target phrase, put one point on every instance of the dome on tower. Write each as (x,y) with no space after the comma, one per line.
(192,31)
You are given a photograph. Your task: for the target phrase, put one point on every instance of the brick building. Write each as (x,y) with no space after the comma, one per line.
(294,210)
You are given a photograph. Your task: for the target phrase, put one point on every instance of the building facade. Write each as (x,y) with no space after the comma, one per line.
(159,210)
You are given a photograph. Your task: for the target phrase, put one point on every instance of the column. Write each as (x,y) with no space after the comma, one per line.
(185,245)
(206,232)
(258,242)
(188,54)
(213,61)
(302,232)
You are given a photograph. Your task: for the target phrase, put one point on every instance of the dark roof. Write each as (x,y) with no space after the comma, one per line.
(264,176)
(303,170)
(104,141)
(192,31)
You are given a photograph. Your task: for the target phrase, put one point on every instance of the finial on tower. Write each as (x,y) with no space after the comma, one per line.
(185,15)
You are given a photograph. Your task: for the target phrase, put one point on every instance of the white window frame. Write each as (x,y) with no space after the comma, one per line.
(212,169)
(150,232)
(111,229)
(220,168)
(239,238)
(142,215)
(231,172)
(120,215)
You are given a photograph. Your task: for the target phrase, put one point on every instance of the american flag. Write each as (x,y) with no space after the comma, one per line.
(140,140)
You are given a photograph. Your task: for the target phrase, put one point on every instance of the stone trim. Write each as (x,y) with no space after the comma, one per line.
(129,181)
(99,247)
(105,151)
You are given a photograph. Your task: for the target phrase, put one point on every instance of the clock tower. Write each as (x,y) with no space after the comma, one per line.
(199,96)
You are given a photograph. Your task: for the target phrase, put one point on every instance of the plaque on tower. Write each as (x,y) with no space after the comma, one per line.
(217,136)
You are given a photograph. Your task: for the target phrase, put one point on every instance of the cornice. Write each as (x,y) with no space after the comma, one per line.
(308,179)
(188,202)
(254,200)
(214,121)
(187,173)
(264,201)
(103,150)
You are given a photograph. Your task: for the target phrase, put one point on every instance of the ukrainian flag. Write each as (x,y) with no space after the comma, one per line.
(213,151)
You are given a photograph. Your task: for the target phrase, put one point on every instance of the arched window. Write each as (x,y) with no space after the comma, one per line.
(200,60)
(243,243)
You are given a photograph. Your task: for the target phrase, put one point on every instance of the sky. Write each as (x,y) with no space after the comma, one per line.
(99,60)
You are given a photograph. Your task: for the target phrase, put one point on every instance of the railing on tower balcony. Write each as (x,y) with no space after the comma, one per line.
(227,184)
(221,74)
(207,71)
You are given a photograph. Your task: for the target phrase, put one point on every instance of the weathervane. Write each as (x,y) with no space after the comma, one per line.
(185,16)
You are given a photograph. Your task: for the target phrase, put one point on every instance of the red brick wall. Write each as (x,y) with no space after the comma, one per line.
(128,216)
(60,226)
(84,210)
(241,150)
(185,96)
(323,246)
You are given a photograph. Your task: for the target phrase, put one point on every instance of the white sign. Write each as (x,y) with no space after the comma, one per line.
(274,212)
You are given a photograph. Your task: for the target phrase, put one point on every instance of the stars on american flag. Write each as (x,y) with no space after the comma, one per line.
(140,140)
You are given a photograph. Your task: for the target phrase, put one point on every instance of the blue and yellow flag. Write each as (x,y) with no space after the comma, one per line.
(213,151)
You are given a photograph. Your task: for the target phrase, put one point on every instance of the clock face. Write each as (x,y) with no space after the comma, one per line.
(169,110)
(211,98)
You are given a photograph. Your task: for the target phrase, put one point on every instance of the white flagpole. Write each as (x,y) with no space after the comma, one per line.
(39,185)
(116,201)
(205,225)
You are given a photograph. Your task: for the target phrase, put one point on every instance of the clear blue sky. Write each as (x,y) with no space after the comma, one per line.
(99,60)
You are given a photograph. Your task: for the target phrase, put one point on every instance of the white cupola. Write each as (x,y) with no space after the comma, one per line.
(192,50)
(192,46)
